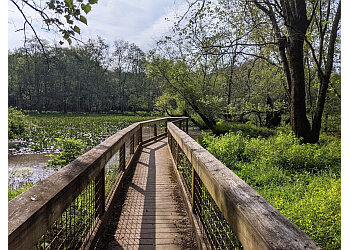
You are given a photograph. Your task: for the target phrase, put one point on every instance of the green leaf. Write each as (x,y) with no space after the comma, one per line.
(66,36)
(51,5)
(92,1)
(76,29)
(83,19)
(86,8)
(69,3)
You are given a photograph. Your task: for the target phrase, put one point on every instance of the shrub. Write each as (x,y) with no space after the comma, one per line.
(17,123)
(230,149)
(301,180)
(71,148)
(313,204)
(250,130)
(12,193)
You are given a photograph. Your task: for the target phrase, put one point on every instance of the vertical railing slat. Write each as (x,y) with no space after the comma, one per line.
(122,157)
(100,193)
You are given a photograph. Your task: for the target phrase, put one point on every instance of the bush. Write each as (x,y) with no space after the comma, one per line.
(71,148)
(17,123)
(313,204)
(12,193)
(250,130)
(301,180)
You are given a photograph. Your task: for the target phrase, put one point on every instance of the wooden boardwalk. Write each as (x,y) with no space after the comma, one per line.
(152,215)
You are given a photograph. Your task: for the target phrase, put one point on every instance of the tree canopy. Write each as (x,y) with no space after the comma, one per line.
(297,41)
(82,78)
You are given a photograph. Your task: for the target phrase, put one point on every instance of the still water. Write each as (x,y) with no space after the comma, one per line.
(27,168)
(24,167)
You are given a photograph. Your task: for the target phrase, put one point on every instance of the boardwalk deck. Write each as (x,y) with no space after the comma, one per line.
(152,215)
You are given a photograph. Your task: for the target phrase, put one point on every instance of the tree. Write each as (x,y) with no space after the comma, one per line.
(192,79)
(280,32)
(291,21)
(81,78)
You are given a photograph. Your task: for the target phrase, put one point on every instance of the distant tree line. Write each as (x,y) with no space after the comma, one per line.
(90,77)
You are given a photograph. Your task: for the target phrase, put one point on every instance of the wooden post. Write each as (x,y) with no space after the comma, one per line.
(187,126)
(100,193)
(166,126)
(176,153)
(170,143)
(155,129)
(196,193)
(122,157)
(140,135)
(132,144)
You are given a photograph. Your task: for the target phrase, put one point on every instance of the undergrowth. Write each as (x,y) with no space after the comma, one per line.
(302,181)
(70,149)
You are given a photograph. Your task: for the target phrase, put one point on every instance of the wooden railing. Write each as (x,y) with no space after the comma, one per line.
(223,207)
(68,209)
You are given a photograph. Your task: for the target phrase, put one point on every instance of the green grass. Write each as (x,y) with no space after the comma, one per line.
(12,193)
(301,180)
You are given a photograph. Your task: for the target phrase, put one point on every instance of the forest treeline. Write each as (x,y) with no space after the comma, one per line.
(96,77)
(81,78)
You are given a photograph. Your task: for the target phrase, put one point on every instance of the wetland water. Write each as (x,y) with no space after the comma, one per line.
(26,166)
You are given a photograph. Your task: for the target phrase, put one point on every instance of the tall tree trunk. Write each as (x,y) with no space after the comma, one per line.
(295,20)
(324,78)
(299,122)
(297,24)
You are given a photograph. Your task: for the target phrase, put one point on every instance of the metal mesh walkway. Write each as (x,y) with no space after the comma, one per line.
(152,215)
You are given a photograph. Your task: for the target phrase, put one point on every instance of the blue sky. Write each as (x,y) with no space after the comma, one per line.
(141,22)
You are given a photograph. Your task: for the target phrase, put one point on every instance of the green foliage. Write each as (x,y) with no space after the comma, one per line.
(192,82)
(300,180)
(90,129)
(169,104)
(71,148)
(246,129)
(17,123)
(313,204)
(80,78)
(72,11)
(12,193)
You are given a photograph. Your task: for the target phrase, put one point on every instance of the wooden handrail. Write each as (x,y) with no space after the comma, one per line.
(256,223)
(32,213)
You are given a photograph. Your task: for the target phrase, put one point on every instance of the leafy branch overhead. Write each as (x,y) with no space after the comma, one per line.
(73,12)
(63,16)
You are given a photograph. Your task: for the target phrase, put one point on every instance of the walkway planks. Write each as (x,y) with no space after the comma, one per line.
(153,214)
